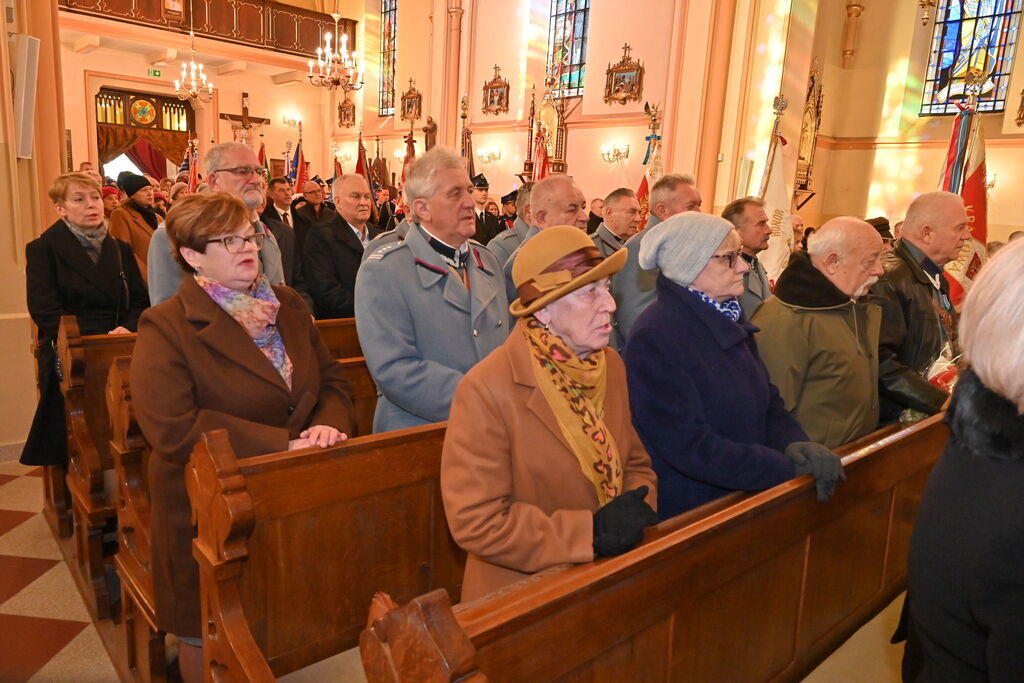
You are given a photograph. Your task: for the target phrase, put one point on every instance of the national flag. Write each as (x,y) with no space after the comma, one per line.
(299,173)
(467,151)
(184,167)
(653,171)
(262,157)
(964,174)
(777,198)
(190,165)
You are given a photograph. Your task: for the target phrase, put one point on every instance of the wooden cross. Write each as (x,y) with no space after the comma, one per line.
(625,50)
(247,122)
(497,70)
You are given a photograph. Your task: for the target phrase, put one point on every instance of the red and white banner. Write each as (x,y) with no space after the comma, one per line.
(965,175)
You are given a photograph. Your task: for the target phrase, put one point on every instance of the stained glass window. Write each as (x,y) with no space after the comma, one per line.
(567,46)
(971,35)
(388,54)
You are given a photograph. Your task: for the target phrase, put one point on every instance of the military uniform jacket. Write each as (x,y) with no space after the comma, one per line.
(510,287)
(756,288)
(508,241)
(634,289)
(420,328)
(606,241)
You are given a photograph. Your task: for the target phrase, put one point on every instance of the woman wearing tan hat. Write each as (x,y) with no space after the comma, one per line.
(541,465)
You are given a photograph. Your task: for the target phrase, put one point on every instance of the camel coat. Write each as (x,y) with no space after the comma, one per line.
(195,369)
(130,226)
(513,491)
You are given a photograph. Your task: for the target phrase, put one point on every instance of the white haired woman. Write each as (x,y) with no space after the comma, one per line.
(966,588)
(701,397)
(541,465)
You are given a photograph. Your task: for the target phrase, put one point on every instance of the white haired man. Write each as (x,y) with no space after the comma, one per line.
(633,287)
(918,318)
(818,340)
(432,305)
(233,168)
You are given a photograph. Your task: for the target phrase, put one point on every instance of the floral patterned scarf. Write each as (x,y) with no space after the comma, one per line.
(256,311)
(575,389)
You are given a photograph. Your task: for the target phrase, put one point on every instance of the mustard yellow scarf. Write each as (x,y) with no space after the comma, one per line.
(575,390)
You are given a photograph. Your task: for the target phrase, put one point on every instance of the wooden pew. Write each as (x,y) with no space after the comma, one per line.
(351,520)
(85,361)
(761,589)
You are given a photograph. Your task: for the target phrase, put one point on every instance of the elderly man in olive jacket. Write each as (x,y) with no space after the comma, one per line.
(429,307)
(819,343)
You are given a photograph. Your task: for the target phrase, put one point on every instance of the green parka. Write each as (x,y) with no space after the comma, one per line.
(821,350)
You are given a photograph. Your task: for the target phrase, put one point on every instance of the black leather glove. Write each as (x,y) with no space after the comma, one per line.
(819,462)
(619,525)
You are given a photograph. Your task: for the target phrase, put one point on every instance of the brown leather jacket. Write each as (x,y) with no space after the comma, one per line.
(916,321)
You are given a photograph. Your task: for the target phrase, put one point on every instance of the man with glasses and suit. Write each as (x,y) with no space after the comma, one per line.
(233,168)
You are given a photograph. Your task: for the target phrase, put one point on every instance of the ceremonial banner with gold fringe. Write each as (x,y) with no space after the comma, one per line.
(964,174)
(363,169)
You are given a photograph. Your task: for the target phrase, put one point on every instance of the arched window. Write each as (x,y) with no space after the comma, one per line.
(971,34)
(388,55)
(567,46)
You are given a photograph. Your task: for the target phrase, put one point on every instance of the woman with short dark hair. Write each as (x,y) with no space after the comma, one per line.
(75,268)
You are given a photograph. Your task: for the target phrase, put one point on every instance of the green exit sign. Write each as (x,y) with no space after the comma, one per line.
(154,72)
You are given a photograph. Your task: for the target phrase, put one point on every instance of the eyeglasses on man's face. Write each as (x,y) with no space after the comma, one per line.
(730,258)
(235,244)
(244,171)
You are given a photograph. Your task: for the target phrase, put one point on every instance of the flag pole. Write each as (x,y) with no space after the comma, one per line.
(780,105)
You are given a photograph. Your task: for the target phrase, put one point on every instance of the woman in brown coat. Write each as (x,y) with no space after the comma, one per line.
(229,351)
(541,465)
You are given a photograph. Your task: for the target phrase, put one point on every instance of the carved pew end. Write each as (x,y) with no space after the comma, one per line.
(429,645)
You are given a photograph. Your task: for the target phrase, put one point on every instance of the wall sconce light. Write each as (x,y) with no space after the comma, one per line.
(489,156)
(293,121)
(343,157)
(992,181)
(400,153)
(613,154)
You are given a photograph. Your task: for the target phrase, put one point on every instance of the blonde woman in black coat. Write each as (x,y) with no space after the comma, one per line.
(75,268)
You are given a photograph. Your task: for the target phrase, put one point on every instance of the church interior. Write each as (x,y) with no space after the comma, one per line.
(840,107)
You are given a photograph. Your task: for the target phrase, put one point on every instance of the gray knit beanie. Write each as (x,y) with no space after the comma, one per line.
(682,245)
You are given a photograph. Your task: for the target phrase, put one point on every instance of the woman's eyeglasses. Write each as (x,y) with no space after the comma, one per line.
(730,258)
(236,245)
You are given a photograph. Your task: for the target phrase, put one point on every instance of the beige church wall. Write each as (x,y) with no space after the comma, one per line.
(876,154)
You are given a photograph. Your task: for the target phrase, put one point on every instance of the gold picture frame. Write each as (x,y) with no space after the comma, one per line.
(412,103)
(624,81)
(496,94)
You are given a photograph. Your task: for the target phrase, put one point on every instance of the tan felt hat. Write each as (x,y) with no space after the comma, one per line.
(555,262)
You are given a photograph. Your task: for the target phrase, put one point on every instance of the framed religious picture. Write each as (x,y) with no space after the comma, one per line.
(276,168)
(173,9)
(496,94)
(809,127)
(346,113)
(412,103)
(624,81)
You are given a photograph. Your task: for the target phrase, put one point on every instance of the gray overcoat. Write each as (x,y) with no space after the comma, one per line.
(508,241)
(756,288)
(421,330)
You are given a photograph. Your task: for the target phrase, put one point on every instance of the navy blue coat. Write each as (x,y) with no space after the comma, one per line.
(703,404)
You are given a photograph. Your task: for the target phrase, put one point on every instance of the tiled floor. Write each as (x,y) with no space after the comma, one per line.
(45,631)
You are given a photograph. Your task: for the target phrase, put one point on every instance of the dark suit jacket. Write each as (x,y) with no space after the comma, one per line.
(195,369)
(487,228)
(291,256)
(332,256)
(305,219)
(63,280)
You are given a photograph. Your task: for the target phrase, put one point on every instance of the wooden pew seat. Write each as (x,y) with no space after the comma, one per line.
(752,587)
(351,520)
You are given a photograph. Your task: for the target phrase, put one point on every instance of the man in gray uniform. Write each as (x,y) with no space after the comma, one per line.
(233,168)
(633,287)
(621,221)
(751,221)
(508,241)
(429,307)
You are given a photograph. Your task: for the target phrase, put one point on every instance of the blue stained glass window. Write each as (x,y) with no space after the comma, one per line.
(971,34)
(567,46)
(388,56)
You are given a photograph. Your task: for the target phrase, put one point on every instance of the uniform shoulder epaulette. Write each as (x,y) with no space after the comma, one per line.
(380,253)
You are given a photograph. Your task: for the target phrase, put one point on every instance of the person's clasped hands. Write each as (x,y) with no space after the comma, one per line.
(317,435)
(819,462)
(619,525)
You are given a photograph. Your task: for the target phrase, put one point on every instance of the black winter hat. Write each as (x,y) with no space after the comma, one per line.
(131,183)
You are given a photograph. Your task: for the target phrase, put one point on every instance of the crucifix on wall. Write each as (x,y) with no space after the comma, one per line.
(244,127)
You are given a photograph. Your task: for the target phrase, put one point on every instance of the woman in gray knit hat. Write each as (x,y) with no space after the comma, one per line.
(701,398)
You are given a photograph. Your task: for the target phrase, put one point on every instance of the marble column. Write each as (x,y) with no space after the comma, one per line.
(717,79)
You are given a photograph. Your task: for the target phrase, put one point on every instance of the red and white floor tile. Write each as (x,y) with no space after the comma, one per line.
(45,631)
